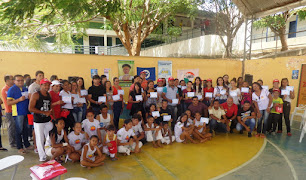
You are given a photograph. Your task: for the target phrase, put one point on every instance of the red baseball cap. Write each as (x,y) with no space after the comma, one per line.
(142,72)
(210,80)
(44,81)
(275,80)
(160,80)
(170,79)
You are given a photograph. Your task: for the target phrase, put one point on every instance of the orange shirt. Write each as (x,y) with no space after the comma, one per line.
(144,84)
(8,109)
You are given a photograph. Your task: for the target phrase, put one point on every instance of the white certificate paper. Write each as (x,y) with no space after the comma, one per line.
(209,95)
(233,93)
(200,97)
(25,94)
(138,97)
(285,92)
(102,99)
(66,99)
(190,94)
(167,118)
(183,87)
(116,97)
(155,114)
(223,92)
(82,100)
(265,87)
(290,88)
(84,92)
(204,120)
(121,92)
(245,90)
(159,89)
(174,101)
(153,94)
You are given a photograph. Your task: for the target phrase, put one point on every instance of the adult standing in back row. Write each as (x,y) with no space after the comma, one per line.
(94,92)
(35,86)
(170,93)
(40,105)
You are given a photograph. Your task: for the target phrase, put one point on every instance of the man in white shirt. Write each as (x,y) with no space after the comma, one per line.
(35,86)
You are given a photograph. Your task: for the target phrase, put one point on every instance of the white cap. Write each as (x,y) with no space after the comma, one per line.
(56,82)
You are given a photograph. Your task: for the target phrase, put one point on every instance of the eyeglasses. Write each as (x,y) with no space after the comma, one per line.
(19,80)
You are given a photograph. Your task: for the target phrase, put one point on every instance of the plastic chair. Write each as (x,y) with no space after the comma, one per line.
(9,162)
(303,132)
(296,113)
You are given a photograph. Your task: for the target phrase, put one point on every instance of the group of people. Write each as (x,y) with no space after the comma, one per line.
(83,124)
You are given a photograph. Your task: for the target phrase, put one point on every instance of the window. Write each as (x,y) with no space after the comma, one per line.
(292,29)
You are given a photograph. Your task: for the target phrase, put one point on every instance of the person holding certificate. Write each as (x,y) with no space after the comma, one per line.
(246,93)
(118,104)
(197,86)
(220,91)
(235,92)
(67,98)
(109,96)
(188,94)
(151,95)
(208,92)
(84,94)
(78,104)
(94,92)
(286,106)
(136,98)
(159,89)
(262,100)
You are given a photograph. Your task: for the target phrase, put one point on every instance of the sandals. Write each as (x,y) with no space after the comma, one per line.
(21,151)
(3,149)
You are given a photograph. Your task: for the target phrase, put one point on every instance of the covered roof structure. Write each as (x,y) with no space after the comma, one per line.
(261,8)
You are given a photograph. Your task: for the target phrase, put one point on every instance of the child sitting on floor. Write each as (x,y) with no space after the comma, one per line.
(126,144)
(91,154)
(54,146)
(153,132)
(110,143)
(77,141)
(137,128)
(200,127)
(168,138)
(183,130)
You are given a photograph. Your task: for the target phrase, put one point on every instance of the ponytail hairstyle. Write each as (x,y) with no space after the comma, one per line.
(182,115)
(53,131)
(195,85)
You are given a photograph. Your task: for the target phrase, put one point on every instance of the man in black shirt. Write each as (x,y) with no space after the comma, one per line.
(94,92)
(246,118)
(164,111)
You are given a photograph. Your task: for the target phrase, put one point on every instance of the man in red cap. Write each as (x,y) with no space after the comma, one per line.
(40,105)
(170,93)
(144,83)
(275,86)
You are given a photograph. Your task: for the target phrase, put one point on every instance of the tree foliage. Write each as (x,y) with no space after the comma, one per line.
(22,21)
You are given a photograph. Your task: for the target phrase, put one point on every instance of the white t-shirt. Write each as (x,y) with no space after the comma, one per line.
(33,88)
(91,128)
(90,153)
(235,98)
(105,122)
(178,129)
(59,139)
(76,140)
(124,135)
(263,100)
(67,105)
(217,90)
(137,129)
(197,124)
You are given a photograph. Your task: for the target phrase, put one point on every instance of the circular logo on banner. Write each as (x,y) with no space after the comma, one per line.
(147,74)
(189,75)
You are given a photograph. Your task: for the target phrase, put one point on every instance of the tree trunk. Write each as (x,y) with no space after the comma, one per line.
(228,47)
(283,39)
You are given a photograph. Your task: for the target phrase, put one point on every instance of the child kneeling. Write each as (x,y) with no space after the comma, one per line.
(126,144)
(110,143)
(91,154)
(153,132)
(168,138)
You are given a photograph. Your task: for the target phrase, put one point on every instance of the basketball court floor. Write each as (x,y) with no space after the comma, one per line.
(225,157)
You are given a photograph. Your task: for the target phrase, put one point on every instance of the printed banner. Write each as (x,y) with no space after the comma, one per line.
(125,72)
(190,74)
(150,72)
(164,69)
(93,72)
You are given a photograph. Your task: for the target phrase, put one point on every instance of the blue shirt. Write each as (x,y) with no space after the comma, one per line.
(20,108)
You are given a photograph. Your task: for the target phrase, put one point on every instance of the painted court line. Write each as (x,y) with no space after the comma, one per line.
(160,165)
(147,170)
(287,160)
(244,164)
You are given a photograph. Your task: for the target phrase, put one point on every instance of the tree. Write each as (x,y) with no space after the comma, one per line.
(277,23)
(132,20)
(228,20)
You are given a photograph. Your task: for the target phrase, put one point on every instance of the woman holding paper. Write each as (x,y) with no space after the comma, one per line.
(188,94)
(220,91)
(136,98)
(197,86)
(208,92)
(118,103)
(67,98)
(287,98)
(109,96)
(262,100)
(246,93)
(77,111)
(235,92)
(159,89)
(151,96)
(84,94)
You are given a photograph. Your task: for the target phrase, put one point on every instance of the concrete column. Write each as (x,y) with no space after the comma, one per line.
(86,44)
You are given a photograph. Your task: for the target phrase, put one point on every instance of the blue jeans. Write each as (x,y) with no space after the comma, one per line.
(217,126)
(262,128)
(21,124)
(117,108)
(77,113)
(84,108)
(249,122)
